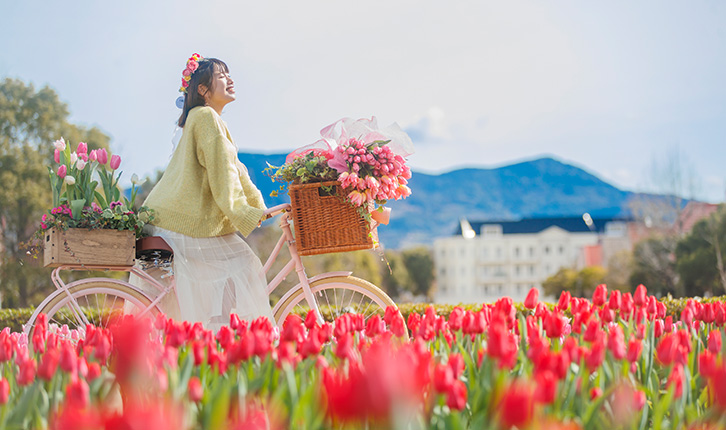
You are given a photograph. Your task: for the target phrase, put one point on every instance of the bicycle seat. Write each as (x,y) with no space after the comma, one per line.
(153,247)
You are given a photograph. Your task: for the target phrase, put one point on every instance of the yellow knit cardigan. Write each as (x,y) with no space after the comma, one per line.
(205,190)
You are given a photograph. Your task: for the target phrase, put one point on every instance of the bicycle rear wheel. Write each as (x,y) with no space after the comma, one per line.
(337,296)
(95,301)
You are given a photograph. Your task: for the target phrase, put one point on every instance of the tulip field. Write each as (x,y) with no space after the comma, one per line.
(614,362)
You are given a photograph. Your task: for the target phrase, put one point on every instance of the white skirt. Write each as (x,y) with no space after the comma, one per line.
(215,276)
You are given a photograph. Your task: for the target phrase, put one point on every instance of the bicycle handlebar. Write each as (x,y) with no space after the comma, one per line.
(275,210)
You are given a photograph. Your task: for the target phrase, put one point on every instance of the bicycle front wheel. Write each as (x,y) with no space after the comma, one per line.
(94,301)
(337,296)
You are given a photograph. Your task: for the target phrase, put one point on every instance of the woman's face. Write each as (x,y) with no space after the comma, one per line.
(221,91)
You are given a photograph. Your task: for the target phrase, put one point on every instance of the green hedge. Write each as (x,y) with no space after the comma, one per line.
(15,318)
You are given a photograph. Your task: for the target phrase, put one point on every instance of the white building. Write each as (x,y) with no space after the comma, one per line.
(484,261)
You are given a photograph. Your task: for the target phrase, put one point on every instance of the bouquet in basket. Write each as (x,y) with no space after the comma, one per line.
(368,162)
(80,201)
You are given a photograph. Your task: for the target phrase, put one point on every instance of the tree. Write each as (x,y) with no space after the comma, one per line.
(674,182)
(580,283)
(419,263)
(29,123)
(700,256)
(654,266)
(395,277)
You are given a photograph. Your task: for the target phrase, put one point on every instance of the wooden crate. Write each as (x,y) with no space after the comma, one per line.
(89,247)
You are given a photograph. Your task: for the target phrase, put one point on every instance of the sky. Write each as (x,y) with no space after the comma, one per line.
(630,91)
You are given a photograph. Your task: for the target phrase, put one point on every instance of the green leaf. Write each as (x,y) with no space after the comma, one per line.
(77,208)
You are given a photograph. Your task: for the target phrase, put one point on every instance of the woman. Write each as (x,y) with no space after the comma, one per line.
(205,203)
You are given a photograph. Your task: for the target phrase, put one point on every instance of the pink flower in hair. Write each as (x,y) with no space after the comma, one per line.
(185,83)
(192,66)
(187,72)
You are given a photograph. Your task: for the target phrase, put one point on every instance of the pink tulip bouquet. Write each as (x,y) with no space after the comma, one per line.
(369,163)
(79,201)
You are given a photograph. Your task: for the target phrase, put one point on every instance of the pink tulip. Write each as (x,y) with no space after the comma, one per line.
(115,162)
(60,144)
(80,164)
(92,156)
(62,171)
(102,156)
(82,148)
(56,156)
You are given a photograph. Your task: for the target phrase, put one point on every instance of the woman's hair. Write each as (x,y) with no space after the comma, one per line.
(202,76)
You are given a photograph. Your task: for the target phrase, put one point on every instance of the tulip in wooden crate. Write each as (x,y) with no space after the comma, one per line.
(89,247)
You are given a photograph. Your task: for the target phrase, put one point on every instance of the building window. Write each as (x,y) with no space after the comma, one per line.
(491,230)
(562,249)
(531,269)
(531,251)
(516,251)
(547,250)
(499,252)
(516,270)
(500,288)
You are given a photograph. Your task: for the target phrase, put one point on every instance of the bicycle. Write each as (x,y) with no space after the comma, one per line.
(92,300)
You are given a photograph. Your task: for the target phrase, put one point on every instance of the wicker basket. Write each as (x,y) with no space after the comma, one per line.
(325,222)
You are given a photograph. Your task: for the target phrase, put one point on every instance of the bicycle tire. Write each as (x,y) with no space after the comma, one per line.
(350,288)
(58,305)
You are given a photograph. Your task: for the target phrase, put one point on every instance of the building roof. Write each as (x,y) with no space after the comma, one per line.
(536,225)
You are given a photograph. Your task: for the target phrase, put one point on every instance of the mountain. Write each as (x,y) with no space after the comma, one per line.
(543,187)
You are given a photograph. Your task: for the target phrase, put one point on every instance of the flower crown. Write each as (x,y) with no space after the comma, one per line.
(192,65)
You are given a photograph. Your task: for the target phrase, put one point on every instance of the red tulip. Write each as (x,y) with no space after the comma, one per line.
(676,379)
(635,347)
(530,302)
(595,356)
(616,343)
(196,392)
(718,387)
(375,326)
(344,349)
(546,390)
(599,297)
(660,310)
(68,357)
(626,307)
(26,370)
(48,364)
(443,378)
(658,328)
(456,318)
(312,344)
(516,408)
(225,336)
(456,362)
(6,346)
(564,301)
(641,296)
(502,345)
(398,326)
(652,307)
(706,363)
(595,392)
(4,391)
(456,396)
(77,393)
(94,371)
(592,331)
(554,324)
(615,300)
(714,341)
